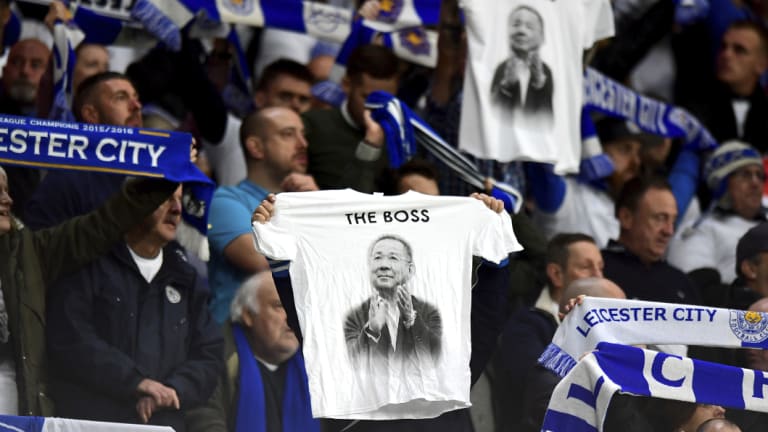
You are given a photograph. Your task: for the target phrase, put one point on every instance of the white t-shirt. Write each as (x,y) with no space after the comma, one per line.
(585,209)
(525,104)
(710,244)
(329,236)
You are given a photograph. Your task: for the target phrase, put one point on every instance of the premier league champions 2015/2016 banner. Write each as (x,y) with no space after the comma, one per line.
(122,150)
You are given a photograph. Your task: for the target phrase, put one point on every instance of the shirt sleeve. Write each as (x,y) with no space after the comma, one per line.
(228,219)
(274,239)
(598,18)
(495,238)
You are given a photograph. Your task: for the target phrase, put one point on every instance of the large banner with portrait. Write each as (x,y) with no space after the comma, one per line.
(523,85)
(382,293)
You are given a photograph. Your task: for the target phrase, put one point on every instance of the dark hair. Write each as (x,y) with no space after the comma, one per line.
(388,180)
(373,60)
(635,189)
(557,248)
(419,167)
(87,90)
(283,67)
(395,238)
(757,27)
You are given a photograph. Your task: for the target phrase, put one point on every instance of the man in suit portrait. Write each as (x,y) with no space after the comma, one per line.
(523,81)
(393,322)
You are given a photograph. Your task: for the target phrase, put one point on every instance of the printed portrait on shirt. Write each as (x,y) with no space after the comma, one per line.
(392,322)
(524,81)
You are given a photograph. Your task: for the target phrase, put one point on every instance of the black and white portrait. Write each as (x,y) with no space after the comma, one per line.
(392,322)
(523,81)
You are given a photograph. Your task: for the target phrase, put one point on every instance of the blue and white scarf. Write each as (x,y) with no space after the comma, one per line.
(403,129)
(611,98)
(122,150)
(296,409)
(66,37)
(580,401)
(635,322)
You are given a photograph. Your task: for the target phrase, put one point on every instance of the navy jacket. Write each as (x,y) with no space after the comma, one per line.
(108,329)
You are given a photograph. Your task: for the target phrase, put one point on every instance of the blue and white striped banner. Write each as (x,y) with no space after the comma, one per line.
(122,150)
(402,31)
(65,38)
(580,401)
(635,322)
(611,98)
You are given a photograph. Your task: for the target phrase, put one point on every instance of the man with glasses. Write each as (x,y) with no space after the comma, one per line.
(735,175)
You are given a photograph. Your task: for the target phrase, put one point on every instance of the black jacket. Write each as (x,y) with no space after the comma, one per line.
(715,111)
(108,329)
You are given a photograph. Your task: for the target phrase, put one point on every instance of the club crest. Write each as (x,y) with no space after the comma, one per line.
(172,294)
(389,11)
(415,40)
(749,326)
(238,7)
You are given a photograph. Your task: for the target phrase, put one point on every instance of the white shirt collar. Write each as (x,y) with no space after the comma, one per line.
(347,116)
(545,303)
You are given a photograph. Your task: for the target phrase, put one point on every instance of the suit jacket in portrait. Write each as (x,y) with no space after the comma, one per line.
(421,339)
(538,101)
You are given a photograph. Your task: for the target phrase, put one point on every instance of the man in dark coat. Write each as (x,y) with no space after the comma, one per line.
(392,322)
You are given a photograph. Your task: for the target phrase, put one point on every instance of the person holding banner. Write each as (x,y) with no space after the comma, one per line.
(106,98)
(31,261)
(275,149)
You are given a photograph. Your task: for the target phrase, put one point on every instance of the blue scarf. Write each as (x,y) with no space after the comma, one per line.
(403,129)
(42,143)
(251,416)
(611,98)
(580,401)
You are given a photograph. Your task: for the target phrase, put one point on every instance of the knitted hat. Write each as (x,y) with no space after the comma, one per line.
(726,159)
(752,243)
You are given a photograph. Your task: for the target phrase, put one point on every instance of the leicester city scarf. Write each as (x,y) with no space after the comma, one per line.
(251,417)
(580,401)
(605,95)
(403,129)
(122,150)
(635,322)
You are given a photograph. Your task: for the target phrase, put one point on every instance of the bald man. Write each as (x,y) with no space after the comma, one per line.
(275,151)
(541,382)
(718,425)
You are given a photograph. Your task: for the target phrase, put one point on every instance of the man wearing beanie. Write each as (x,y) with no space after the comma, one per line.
(735,175)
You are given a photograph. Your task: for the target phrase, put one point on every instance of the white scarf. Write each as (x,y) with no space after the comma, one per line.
(634,322)
(580,401)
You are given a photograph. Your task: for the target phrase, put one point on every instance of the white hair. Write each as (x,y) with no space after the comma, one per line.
(245,297)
